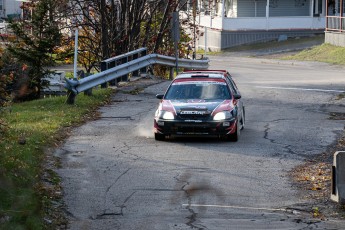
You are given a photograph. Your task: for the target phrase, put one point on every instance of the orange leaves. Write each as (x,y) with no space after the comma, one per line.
(317,176)
(314,177)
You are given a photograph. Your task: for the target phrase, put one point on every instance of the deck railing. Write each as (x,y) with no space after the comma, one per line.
(335,23)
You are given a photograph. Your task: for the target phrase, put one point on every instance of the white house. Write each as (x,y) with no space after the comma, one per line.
(229,23)
(10,8)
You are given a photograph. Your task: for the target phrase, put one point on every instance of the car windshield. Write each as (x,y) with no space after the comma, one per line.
(198,90)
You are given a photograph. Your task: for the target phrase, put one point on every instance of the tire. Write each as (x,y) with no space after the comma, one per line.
(235,136)
(159,137)
(243,120)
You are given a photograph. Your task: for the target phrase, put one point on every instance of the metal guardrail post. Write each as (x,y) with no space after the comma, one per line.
(135,73)
(70,97)
(171,74)
(124,61)
(112,64)
(103,68)
(142,54)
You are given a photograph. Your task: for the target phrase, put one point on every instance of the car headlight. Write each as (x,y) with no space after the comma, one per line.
(222,116)
(166,115)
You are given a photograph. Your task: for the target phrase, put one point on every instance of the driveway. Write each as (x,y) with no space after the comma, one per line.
(116,176)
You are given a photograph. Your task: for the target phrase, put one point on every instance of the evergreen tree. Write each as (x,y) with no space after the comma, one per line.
(36,39)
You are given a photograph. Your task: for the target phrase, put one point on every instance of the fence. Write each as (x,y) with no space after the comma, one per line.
(335,23)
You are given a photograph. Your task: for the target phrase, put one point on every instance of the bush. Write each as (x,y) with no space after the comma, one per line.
(3,103)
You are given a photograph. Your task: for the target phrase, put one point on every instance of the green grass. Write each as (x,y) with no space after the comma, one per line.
(33,126)
(202,52)
(323,53)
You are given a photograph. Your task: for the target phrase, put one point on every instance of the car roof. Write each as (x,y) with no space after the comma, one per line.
(203,74)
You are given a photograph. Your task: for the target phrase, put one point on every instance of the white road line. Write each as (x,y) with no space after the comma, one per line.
(234,207)
(302,89)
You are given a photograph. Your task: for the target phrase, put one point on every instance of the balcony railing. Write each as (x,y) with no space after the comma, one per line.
(335,23)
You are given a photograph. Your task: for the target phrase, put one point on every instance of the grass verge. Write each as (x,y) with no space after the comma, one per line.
(323,53)
(33,126)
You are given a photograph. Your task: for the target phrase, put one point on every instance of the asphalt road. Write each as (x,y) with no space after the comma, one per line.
(116,176)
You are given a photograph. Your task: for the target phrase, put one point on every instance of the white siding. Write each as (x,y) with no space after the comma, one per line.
(12,7)
(274,23)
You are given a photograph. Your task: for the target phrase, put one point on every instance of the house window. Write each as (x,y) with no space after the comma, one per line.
(205,7)
(300,3)
(317,8)
(273,3)
(291,8)
(230,8)
(250,8)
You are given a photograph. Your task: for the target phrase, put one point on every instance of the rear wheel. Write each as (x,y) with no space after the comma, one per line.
(159,137)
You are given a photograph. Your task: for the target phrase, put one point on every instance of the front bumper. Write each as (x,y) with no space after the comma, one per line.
(212,128)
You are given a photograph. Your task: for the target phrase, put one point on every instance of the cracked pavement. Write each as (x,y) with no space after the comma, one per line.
(116,176)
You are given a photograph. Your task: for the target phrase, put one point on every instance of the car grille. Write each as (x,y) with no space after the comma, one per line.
(192,128)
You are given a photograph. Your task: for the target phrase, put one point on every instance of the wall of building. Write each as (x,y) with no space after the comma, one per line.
(11,7)
(272,23)
(218,40)
(335,38)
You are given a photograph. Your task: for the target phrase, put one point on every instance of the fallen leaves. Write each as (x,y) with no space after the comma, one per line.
(314,178)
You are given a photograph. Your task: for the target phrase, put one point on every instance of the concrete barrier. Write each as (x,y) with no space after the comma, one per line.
(338,178)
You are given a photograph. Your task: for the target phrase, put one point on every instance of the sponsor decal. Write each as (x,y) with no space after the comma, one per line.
(193,112)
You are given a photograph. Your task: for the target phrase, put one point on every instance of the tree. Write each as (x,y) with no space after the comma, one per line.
(36,41)
(113,27)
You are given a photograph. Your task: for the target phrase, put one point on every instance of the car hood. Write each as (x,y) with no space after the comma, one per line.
(197,106)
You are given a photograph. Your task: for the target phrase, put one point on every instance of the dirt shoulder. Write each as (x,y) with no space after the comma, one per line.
(313,179)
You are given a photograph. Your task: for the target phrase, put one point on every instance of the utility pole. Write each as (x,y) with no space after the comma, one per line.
(104,34)
(176,35)
(194,16)
(104,30)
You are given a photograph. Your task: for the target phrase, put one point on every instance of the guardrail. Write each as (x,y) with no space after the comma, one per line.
(75,86)
(122,59)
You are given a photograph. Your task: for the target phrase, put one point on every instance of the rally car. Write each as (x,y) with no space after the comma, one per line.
(200,103)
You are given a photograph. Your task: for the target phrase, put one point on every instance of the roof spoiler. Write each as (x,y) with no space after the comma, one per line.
(201,71)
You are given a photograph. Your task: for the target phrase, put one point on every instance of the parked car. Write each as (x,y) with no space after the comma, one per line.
(200,103)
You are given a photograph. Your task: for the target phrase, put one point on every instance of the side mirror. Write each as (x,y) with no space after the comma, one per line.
(237,96)
(159,96)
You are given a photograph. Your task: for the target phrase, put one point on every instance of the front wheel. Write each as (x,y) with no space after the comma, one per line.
(159,137)
(235,136)
(243,119)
